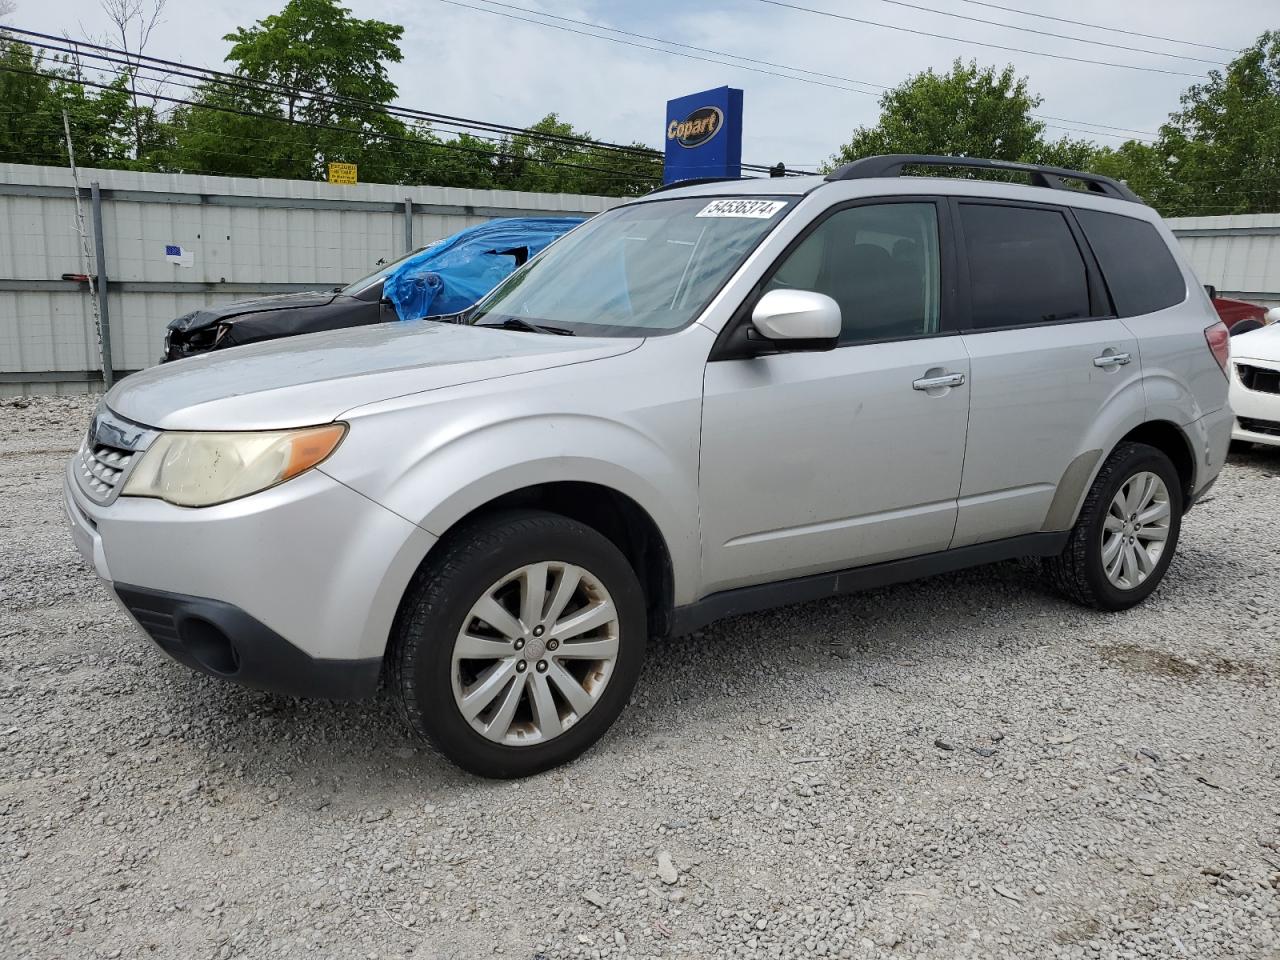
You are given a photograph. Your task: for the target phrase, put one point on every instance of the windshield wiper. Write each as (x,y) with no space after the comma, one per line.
(518,323)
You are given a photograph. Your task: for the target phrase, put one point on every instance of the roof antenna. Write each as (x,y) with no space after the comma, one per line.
(780,170)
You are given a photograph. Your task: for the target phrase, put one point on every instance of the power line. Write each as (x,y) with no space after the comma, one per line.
(1098,26)
(977,43)
(134,72)
(1090,123)
(259,86)
(316,125)
(1047,33)
(134,61)
(236,80)
(879,86)
(674,43)
(673,53)
(53,126)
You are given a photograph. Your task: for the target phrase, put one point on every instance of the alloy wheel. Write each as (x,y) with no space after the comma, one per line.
(535,653)
(1135,530)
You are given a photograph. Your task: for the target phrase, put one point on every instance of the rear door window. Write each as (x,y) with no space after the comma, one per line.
(1024,266)
(1140,271)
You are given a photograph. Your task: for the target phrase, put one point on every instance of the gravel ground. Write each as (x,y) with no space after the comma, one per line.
(962,767)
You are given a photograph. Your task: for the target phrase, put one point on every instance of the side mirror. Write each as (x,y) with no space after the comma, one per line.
(796,320)
(1211,290)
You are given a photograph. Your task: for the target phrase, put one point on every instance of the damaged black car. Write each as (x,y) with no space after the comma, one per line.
(281,315)
(440,279)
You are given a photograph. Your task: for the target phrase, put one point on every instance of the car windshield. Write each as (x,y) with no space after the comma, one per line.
(365,282)
(643,269)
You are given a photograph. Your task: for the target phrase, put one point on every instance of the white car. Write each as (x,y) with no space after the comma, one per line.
(1255,385)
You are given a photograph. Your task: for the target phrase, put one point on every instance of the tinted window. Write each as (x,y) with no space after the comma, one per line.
(879,262)
(1024,266)
(1140,272)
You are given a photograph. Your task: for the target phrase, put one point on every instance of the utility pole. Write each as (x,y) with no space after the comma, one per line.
(90,269)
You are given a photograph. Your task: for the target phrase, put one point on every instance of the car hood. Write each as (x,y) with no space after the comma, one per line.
(314,379)
(200,319)
(1261,344)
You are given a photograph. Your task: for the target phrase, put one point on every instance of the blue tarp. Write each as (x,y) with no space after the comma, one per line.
(453,273)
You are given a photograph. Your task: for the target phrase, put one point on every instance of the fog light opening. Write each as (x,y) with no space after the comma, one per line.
(210,647)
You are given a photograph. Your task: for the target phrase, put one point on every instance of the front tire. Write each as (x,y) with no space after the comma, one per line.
(1126,534)
(518,643)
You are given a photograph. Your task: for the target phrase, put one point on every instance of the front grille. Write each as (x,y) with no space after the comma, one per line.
(1261,379)
(1270,428)
(102,469)
(111,449)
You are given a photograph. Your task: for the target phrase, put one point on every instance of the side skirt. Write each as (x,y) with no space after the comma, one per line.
(766,596)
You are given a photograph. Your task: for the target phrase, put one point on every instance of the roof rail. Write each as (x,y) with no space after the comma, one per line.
(890,165)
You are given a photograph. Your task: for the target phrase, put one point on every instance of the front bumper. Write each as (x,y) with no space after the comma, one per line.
(1257,413)
(221,640)
(302,580)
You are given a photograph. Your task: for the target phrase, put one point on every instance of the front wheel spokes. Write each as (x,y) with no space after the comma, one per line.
(535,653)
(486,688)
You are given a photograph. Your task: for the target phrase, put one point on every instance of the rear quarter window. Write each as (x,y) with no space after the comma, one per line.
(1140,272)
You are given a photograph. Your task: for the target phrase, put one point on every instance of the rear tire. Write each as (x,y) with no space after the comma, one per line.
(490,659)
(1126,533)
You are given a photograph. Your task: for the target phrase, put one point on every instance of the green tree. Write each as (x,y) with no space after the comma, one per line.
(1219,153)
(30,118)
(966,112)
(1144,168)
(34,90)
(460,161)
(1222,148)
(1065,152)
(562,161)
(318,47)
(313,62)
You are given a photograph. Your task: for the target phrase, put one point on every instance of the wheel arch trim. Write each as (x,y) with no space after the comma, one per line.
(1082,472)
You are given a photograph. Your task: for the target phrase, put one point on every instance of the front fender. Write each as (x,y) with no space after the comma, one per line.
(465,463)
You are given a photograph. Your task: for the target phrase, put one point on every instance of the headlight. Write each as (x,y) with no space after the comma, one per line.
(201,469)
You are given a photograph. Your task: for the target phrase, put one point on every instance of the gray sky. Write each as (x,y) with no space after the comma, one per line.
(464,62)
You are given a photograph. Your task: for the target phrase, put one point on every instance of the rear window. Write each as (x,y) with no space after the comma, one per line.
(1140,272)
(1024,266)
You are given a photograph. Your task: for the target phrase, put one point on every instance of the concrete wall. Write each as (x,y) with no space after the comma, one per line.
(245,236)
(1240,255)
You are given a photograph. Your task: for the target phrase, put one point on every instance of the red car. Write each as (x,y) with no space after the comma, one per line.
(1239,316)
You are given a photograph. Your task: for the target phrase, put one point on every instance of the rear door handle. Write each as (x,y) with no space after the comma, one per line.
(1111,360)
(934,383)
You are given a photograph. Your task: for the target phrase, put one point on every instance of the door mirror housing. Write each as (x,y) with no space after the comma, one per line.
(796,320)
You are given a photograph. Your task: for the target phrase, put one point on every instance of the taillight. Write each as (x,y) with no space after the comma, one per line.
(1219,340)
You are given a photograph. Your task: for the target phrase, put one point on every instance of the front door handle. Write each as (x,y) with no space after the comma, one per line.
(1111,360)
(936,383)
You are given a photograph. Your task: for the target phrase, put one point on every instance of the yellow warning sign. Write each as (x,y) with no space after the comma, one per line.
(342,173)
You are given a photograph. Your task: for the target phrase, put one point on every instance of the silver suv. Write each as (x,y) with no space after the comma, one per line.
(709,401)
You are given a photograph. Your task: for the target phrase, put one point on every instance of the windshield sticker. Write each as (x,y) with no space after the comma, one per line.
(753,209)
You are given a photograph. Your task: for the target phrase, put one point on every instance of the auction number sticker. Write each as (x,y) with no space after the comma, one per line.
(754,209)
